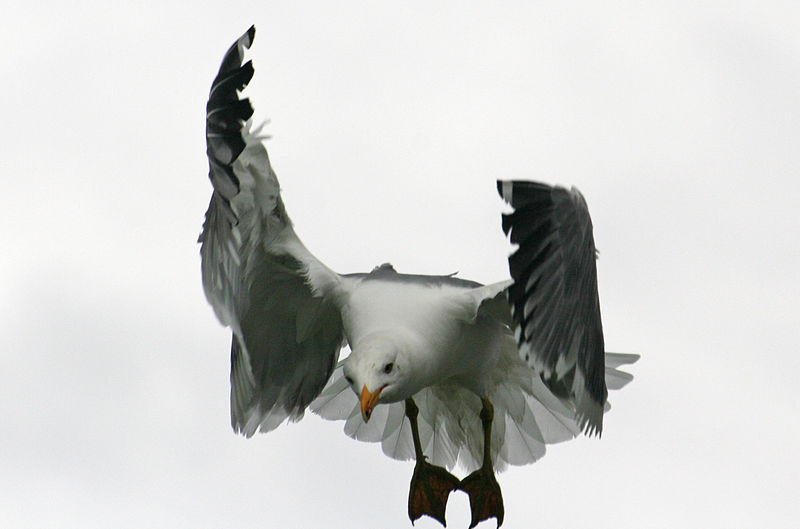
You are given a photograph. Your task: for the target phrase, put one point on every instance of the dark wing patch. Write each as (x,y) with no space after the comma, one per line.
(554,297)
(285,330)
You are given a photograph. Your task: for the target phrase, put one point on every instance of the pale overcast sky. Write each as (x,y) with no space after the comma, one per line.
(390,123)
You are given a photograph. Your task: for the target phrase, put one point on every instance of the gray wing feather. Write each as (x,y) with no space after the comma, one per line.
(554,298)
(258,276)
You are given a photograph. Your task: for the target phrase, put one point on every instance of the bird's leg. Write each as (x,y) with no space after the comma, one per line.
(485,498)
(430,485)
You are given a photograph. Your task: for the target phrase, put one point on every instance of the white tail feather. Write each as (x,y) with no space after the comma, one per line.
(527,418)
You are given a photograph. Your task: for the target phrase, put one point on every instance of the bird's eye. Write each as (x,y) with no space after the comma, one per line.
(349,380)
(388,368)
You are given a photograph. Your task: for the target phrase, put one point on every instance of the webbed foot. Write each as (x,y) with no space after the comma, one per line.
(485,498)
(430,488)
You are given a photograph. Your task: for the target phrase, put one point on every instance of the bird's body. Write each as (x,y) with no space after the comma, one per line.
(452,342)
(441,369)
(433,319)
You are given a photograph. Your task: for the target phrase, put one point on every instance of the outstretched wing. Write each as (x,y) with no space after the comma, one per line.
(554,298)
(258,276)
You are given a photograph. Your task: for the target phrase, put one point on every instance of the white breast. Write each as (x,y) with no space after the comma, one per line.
(433,320)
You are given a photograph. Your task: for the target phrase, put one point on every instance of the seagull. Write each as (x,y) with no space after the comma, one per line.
(441,369)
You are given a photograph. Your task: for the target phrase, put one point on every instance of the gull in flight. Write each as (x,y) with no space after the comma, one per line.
(442,370)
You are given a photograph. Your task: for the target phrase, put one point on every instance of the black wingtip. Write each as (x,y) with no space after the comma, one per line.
(226,114)
(235,54)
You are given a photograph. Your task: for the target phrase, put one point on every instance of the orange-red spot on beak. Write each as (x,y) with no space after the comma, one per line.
(368,402)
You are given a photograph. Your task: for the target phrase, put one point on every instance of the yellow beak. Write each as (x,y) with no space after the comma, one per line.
(368,402)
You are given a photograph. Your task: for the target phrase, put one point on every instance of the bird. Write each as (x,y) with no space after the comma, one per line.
(443,370)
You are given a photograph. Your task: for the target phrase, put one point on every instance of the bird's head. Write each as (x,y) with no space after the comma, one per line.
(378,372)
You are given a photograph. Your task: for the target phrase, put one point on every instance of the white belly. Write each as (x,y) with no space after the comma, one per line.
(434,323)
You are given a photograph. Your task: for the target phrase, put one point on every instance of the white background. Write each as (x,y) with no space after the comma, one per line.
(391,122)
